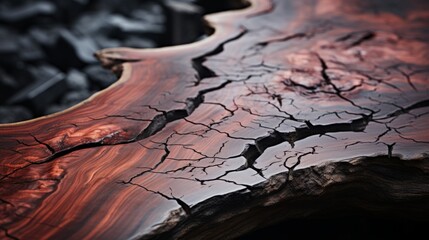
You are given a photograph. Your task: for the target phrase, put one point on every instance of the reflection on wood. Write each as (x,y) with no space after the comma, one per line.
(286,101)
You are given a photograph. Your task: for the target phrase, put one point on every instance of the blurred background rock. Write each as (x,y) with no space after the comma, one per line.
(47,46)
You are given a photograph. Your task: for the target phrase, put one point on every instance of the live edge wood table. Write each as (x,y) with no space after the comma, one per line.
(289,109)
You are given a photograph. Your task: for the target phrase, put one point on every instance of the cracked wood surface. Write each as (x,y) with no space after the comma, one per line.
(287,99)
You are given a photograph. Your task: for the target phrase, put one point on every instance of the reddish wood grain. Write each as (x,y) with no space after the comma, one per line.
(280,86)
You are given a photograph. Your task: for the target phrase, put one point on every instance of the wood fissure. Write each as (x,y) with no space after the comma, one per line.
(287,109)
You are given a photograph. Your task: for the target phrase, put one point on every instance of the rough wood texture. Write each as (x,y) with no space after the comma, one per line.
(280,112)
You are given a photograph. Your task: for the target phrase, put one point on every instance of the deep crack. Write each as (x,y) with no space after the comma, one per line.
(204,72)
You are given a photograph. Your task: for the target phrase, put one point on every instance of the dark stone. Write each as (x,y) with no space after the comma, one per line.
(151,12)
(111,4)
(19,71)
(10,114)
(73,98)
(105,42)
(138,42)
(41,93)
(70,99)
(54,109)
(8,47)
(92,22)
(72,50)
(120,6)
(7,85)
(46,37)
(70,9)
(7,81)
(29,50)
(77,80)
(183,21)
(100,76)
(27,12)
(122,26)
(36,49)
(43,72)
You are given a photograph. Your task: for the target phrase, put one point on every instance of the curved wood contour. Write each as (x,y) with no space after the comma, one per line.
(286,101)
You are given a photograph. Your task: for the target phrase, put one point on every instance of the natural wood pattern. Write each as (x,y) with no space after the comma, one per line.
(283,87)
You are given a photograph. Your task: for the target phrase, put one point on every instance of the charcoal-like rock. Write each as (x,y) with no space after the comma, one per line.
(41,73)
(54,109)
(138,42)
(77,80)
(29,50)
(73,98)
(41,93)
(100,76)
(126,26)
(47,46)
(46,37)
(10,114)
(70,9)
(106,42)
(183,21)
(27,12)
(120,6)
(72,50)
(151,12)
(19,71)
(8,46)
(91,22)
(7,85)
(111,4)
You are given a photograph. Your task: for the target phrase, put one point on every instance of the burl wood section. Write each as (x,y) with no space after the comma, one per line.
(289,109)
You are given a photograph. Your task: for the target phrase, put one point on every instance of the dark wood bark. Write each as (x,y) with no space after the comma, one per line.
(288,107)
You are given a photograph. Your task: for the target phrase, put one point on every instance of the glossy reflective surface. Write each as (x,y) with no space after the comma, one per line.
(280,86)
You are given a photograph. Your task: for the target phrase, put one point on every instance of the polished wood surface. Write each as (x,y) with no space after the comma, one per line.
(280,87)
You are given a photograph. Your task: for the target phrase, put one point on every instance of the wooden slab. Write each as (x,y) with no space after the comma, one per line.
(286,103)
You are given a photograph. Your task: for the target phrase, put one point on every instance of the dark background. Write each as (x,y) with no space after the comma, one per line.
(47,46)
